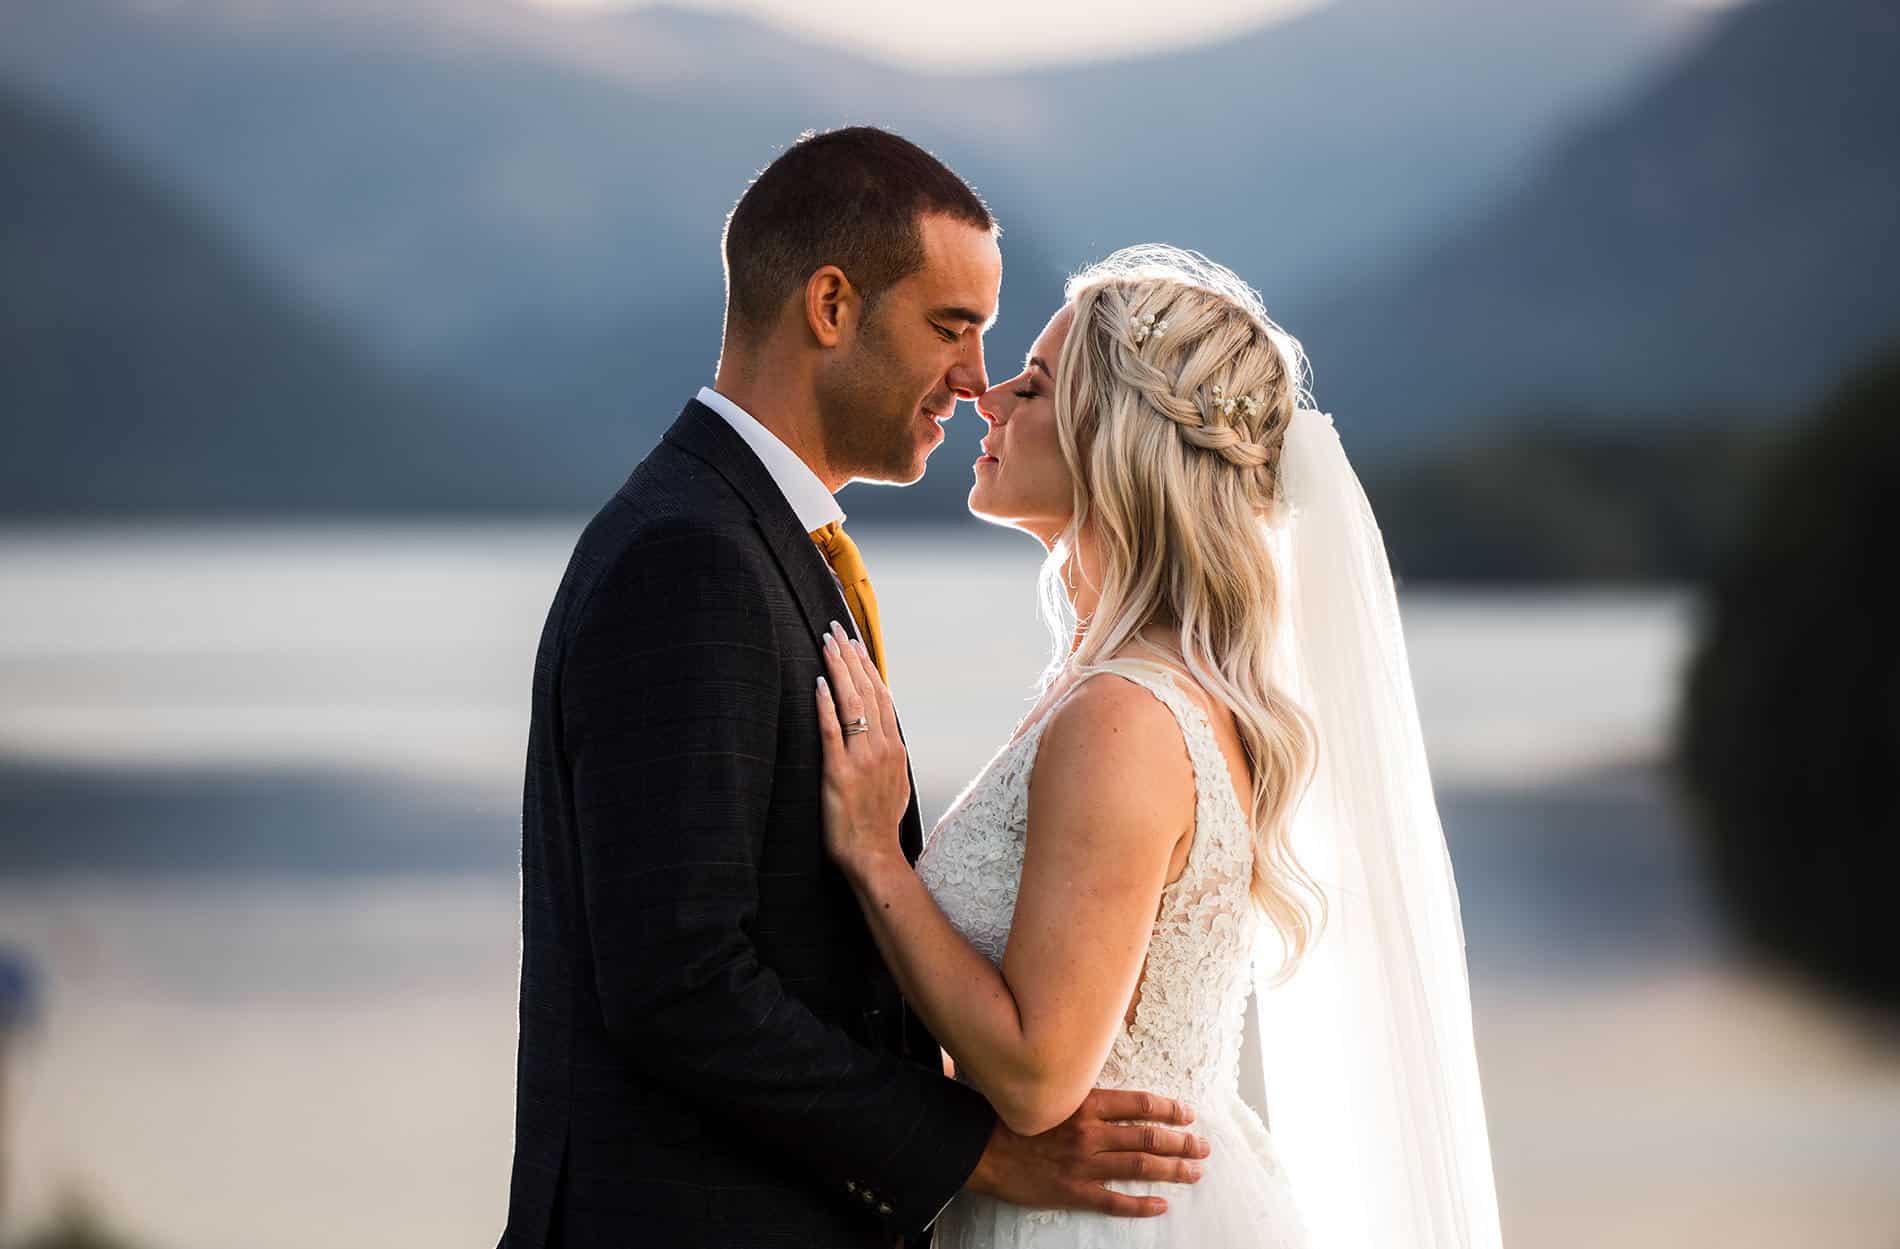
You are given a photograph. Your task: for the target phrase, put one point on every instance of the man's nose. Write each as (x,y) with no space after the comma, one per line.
(967,377)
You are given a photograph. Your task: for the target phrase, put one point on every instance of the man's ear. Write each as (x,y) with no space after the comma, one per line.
(831,305)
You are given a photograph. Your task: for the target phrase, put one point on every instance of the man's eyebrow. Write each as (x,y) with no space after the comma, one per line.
(955,313)
(1035,362)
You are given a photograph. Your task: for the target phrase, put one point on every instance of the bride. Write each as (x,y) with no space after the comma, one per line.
(1221,793)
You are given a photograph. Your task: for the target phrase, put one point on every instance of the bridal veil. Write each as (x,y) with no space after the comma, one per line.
(1366,1052)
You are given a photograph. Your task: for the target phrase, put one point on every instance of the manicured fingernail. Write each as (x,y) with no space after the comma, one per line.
(859,643)
(837,628)
(831,644)
(1194,1170)
(822,687)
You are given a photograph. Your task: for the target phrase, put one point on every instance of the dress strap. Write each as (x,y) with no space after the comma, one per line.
(1165,684)
(1211,776)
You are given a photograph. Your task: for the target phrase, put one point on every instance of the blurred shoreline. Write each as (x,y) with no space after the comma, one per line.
(406,650)
(1578,873)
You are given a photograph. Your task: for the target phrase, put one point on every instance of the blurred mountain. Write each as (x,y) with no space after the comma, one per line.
(145,366)
(450,171)
(529,201)
(1477,213)
(1729,242)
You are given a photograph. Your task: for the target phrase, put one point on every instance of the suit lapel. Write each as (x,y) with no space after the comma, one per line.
(704,434)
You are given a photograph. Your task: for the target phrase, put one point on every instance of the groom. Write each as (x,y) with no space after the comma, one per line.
(711,1053)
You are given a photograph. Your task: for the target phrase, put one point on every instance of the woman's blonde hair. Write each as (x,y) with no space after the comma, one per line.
(1173,394)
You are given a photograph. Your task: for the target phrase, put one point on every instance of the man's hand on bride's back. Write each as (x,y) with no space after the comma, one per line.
(1113,1135)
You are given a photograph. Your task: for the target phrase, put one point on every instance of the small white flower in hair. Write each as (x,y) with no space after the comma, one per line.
(1246,405)
(1146,326)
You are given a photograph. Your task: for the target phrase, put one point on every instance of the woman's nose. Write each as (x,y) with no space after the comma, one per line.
(986,405)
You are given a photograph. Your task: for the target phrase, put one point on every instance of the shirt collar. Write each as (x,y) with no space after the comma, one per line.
(814,505)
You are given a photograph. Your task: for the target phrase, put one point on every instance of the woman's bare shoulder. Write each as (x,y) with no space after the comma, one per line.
(1112,741)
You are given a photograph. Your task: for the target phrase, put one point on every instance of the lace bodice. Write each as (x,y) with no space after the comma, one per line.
(1184,1040)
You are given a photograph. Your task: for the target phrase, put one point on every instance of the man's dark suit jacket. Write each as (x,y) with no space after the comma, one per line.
(711,1052)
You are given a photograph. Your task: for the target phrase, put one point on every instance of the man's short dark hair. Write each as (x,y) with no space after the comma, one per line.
(850,198)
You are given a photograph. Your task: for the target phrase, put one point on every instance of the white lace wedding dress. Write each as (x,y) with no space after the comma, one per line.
(1186,1035)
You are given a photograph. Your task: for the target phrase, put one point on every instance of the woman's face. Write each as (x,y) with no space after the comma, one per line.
(1022,479)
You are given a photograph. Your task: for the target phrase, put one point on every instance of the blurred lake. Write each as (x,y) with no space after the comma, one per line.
(259,819)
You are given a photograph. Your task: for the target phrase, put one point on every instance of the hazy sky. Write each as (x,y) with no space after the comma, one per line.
(998,32)
(1011,33)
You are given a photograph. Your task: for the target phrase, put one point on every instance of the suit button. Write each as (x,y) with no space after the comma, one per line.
(850,1186)
(869,1197)
(883,1209)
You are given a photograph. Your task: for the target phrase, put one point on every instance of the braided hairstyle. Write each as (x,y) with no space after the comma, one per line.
(1173,396)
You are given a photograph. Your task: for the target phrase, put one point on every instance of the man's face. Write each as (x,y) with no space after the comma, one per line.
(919,350)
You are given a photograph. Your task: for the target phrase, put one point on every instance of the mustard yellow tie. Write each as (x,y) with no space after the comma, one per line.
(842,554)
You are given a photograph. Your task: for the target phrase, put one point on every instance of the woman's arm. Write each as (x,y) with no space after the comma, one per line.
(1111,795)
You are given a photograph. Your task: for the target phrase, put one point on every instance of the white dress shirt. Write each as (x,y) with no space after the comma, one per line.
(814,505)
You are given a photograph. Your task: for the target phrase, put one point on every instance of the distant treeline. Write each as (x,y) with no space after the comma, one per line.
(1562,500)
(1570,499)
(1789,735)
(1567,498)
